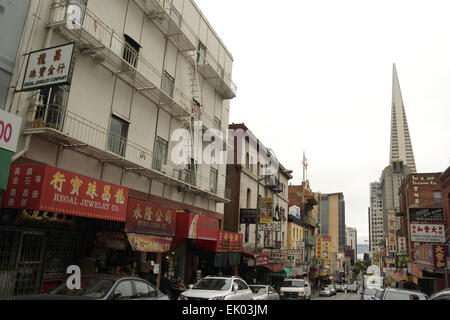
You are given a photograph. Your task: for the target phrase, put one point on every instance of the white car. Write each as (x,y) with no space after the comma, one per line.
(295,289)
(264,292)
(218,288)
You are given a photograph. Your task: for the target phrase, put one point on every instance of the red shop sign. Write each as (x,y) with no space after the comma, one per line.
(145,218)
(44,188)
(193,226)
(229,242)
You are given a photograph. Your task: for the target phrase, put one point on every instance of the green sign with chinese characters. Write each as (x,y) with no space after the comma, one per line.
(5,164)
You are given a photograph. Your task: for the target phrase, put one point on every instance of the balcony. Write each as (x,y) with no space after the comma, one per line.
(274,184)
(110,49)
(169,22)
(214,73)
(53,123)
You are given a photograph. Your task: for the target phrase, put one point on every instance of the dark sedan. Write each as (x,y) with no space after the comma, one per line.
(104,287)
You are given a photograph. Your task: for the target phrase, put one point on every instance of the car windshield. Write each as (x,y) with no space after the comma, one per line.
(370,291)
(259,290)
(399,295)
(90,287)
(213,284)
(293,284)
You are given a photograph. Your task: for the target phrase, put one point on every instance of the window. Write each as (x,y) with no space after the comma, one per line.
(168,84)
(217,123)
(201,53)
(143,290)
(160,154)
(176,16)
(247,233)
(213,180)
(241,284)
(52,107)
(118,134)
(437,198)
(131,51)
(125,289)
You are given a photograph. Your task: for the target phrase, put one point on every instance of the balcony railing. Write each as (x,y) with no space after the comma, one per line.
(62,126)
(170,22)
(110,49)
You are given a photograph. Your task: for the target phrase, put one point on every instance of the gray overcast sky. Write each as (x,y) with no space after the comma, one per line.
(316,76)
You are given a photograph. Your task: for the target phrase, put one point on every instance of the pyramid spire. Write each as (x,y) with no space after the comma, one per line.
(401,147)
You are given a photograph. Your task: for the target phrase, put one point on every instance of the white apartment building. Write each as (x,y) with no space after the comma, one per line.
(376,227)
(141,70)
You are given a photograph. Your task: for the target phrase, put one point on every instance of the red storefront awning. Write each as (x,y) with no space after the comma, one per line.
(45,188)
(225,242)
(196,227)
(274,267)
(145,243)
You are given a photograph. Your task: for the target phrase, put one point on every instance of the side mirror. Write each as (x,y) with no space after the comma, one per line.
(191,286)
(116,295)
(235,288)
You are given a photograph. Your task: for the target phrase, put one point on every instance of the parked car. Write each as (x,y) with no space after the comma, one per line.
(399,294)
(352,288)
(218,288)
(340,288)
(103,287)
(263,292)
(325,292)
(295,289)
(333,289)
(441,295)
(368,293)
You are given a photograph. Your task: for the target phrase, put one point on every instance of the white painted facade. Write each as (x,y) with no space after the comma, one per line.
(111,79)
(251,160)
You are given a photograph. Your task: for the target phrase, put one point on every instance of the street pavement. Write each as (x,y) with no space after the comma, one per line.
(339,296)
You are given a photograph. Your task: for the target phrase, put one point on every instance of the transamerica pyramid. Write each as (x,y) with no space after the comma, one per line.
(401,147)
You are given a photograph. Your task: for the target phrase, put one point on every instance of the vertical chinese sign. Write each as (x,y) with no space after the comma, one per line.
(392,239)
(45,188)
(319,248)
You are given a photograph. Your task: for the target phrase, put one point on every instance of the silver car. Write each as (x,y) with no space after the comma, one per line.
(264,292)
(218,288)
(325,292)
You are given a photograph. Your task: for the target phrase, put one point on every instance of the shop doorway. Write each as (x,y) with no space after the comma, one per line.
(21,254)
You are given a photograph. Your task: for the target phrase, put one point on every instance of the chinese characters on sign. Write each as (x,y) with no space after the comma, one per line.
(426,215)
(319,248)
(266,208)
(432,256)
(50,189)
(274,226)
(145,243)
(427,232)
(229,242)
(402,250)
(145,218)
(49,67)
(392,228)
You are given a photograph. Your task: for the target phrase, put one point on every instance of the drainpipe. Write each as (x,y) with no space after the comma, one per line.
(24,151)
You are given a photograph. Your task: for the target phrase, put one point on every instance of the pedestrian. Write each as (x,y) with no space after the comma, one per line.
(166,285)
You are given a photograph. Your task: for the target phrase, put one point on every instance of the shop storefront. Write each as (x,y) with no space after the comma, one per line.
(431,260)
(247,267)
(193,262)
(150,230)
(51,219)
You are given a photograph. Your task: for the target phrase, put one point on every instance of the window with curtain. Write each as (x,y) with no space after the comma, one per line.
(160,153)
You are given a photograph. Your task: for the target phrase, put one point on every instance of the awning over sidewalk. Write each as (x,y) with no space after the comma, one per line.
(285,273)
(397,277)
(145,243)
(274,267)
